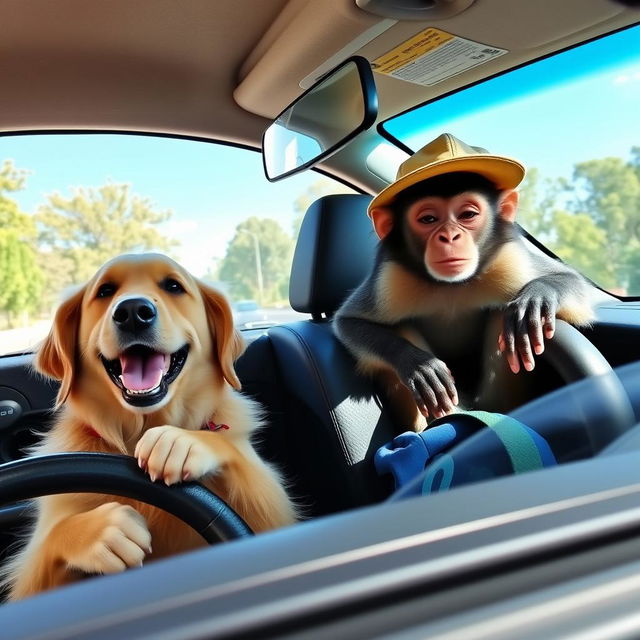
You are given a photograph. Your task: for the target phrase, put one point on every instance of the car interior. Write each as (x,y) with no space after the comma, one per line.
(223,72)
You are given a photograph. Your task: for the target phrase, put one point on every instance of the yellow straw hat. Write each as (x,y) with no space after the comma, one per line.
(446,154)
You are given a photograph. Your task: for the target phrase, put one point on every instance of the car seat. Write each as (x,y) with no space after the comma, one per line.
(325,421)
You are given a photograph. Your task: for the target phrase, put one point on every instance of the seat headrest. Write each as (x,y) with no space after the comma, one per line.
(335,251)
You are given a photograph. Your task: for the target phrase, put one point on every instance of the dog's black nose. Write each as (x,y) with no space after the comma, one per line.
(135,314)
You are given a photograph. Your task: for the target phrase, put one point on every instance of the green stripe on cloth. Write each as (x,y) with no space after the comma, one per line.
(518,443)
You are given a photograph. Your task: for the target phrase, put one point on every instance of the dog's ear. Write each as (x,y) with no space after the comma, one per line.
(56,356)
(228,342)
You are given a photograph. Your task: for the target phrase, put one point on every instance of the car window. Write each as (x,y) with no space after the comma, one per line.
(70,202)
(572,119)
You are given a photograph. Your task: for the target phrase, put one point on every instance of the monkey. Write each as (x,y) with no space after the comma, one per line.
(451,263)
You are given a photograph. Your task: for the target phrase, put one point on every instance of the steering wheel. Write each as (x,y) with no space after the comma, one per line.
(604,410)
(83,472)
(576,421)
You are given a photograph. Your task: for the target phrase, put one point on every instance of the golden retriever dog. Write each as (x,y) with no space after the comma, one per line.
(144,353)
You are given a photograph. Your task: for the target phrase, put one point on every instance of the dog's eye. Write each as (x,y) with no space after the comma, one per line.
(106,290)
(171,285)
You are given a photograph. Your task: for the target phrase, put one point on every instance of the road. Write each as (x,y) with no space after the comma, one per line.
(26,338)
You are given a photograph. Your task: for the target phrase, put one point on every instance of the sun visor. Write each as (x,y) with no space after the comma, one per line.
(306,38)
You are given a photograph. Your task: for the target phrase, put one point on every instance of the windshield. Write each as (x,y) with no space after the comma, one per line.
(70,202)
(572,119)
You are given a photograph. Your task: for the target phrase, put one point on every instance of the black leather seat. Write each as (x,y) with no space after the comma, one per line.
(325,420)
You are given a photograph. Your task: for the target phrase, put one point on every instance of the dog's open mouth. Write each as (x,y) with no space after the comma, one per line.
(144,375)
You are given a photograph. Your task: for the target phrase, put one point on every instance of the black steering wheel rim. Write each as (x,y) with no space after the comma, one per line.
(118,475)
(576,358)
(573,355)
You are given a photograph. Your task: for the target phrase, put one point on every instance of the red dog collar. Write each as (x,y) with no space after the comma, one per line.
(212,426)
(91,431)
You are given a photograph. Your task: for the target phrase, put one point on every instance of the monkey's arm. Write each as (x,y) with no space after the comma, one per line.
(557,291)
(378,346)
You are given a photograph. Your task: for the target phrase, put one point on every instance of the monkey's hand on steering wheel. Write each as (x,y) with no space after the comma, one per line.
(528,319)
(430,382)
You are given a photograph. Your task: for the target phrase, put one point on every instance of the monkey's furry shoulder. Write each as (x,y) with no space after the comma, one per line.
(393,293)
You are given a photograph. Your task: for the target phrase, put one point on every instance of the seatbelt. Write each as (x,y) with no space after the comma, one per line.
(524,446)
(516,449)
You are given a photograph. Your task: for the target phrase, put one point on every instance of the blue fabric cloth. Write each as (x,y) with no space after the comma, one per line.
(462,448)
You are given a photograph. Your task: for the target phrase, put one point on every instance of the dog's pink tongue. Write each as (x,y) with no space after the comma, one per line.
(140,374)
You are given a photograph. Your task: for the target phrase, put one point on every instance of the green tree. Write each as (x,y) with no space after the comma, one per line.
(12,180)
(583,245)
(260,252)
(95,224)
(321,187)
(608,191)
(21,279)
(592,221)
(538,199)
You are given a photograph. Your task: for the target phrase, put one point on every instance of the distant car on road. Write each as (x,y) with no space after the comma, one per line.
(246,305)
(248,314)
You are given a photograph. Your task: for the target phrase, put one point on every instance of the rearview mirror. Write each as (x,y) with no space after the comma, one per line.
(322,120)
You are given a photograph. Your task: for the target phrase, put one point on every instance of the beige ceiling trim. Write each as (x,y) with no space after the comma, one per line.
(304,37)
(347,51)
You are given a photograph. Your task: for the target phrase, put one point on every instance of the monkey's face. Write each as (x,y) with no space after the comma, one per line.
(448,233)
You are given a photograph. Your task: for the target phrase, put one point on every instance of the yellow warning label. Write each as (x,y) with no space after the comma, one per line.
(411,50)
(432,56)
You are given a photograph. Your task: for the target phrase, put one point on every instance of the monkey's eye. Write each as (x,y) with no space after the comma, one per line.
(106,290)
(171,286)
(427,219)
(467,215)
